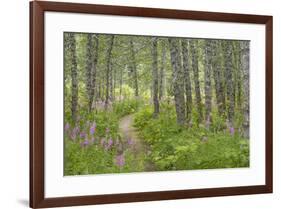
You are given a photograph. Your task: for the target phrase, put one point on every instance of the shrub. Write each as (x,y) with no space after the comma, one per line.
(126,107)
(178,148)
(93,145)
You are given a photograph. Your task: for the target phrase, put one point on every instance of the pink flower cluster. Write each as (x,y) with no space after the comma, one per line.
(87,137)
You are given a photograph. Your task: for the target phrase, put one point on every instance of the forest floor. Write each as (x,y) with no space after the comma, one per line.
(141,149)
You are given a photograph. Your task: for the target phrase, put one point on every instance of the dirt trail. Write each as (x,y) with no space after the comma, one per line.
(129,132)
(127,129)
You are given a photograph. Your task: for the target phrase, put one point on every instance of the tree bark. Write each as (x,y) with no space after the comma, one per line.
(155,76)
(121,84)
(238,76)
(178,80)
(187,81)
(207,82)
(193,46)
(91,65)
(114,83)
(88,74)
(229,81)
(74,81)
(134,67)
(111,81)
(217,69)
(94,67)
(162,72)
(245,66)
(108,68)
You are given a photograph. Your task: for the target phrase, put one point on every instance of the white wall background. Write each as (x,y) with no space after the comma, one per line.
(14,105)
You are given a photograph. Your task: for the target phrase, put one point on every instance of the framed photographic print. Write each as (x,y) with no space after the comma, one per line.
(139,104)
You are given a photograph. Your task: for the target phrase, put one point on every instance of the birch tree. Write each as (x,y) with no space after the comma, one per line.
(162,71)
(94,67)
(155,76)
(229,81)
(237,74)
(108,68)
(246,77)
(91,65)
(178,80)
(134,68)
(74,81)
(187,81)
(194,52)
(217,69)
(207,82)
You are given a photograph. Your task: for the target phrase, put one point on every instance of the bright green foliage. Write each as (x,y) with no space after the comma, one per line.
(96,156)
(143,103)
(177,148)
(126,107)
(94,159)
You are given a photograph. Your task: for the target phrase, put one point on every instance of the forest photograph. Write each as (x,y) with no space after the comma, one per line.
(150,103)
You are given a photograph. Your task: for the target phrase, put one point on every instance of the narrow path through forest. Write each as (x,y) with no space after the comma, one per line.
(129,132)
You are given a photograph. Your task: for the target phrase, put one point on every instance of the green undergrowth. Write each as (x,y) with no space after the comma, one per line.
(102,149)
(185,148)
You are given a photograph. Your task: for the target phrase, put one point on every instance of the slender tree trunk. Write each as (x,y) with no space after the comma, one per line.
(238,76)
(187,81)
(178,80)
(193,46)
(95,64)
(111,81)
(114,83)
(89,64)
(229,81)
(103,86)
(74,81)
(155,76)
(217,69)
(108,68)
(121,83)
(162,72)
(100,91)
(207,82)
(134,68)
(245,50)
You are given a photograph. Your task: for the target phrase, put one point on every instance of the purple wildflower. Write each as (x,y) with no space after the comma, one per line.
(85,143)
(82,134)
(120,160)
(108,145)
(107,130)
(231,131)
(130,142)
(93,129)
(76,129)
(67,126)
